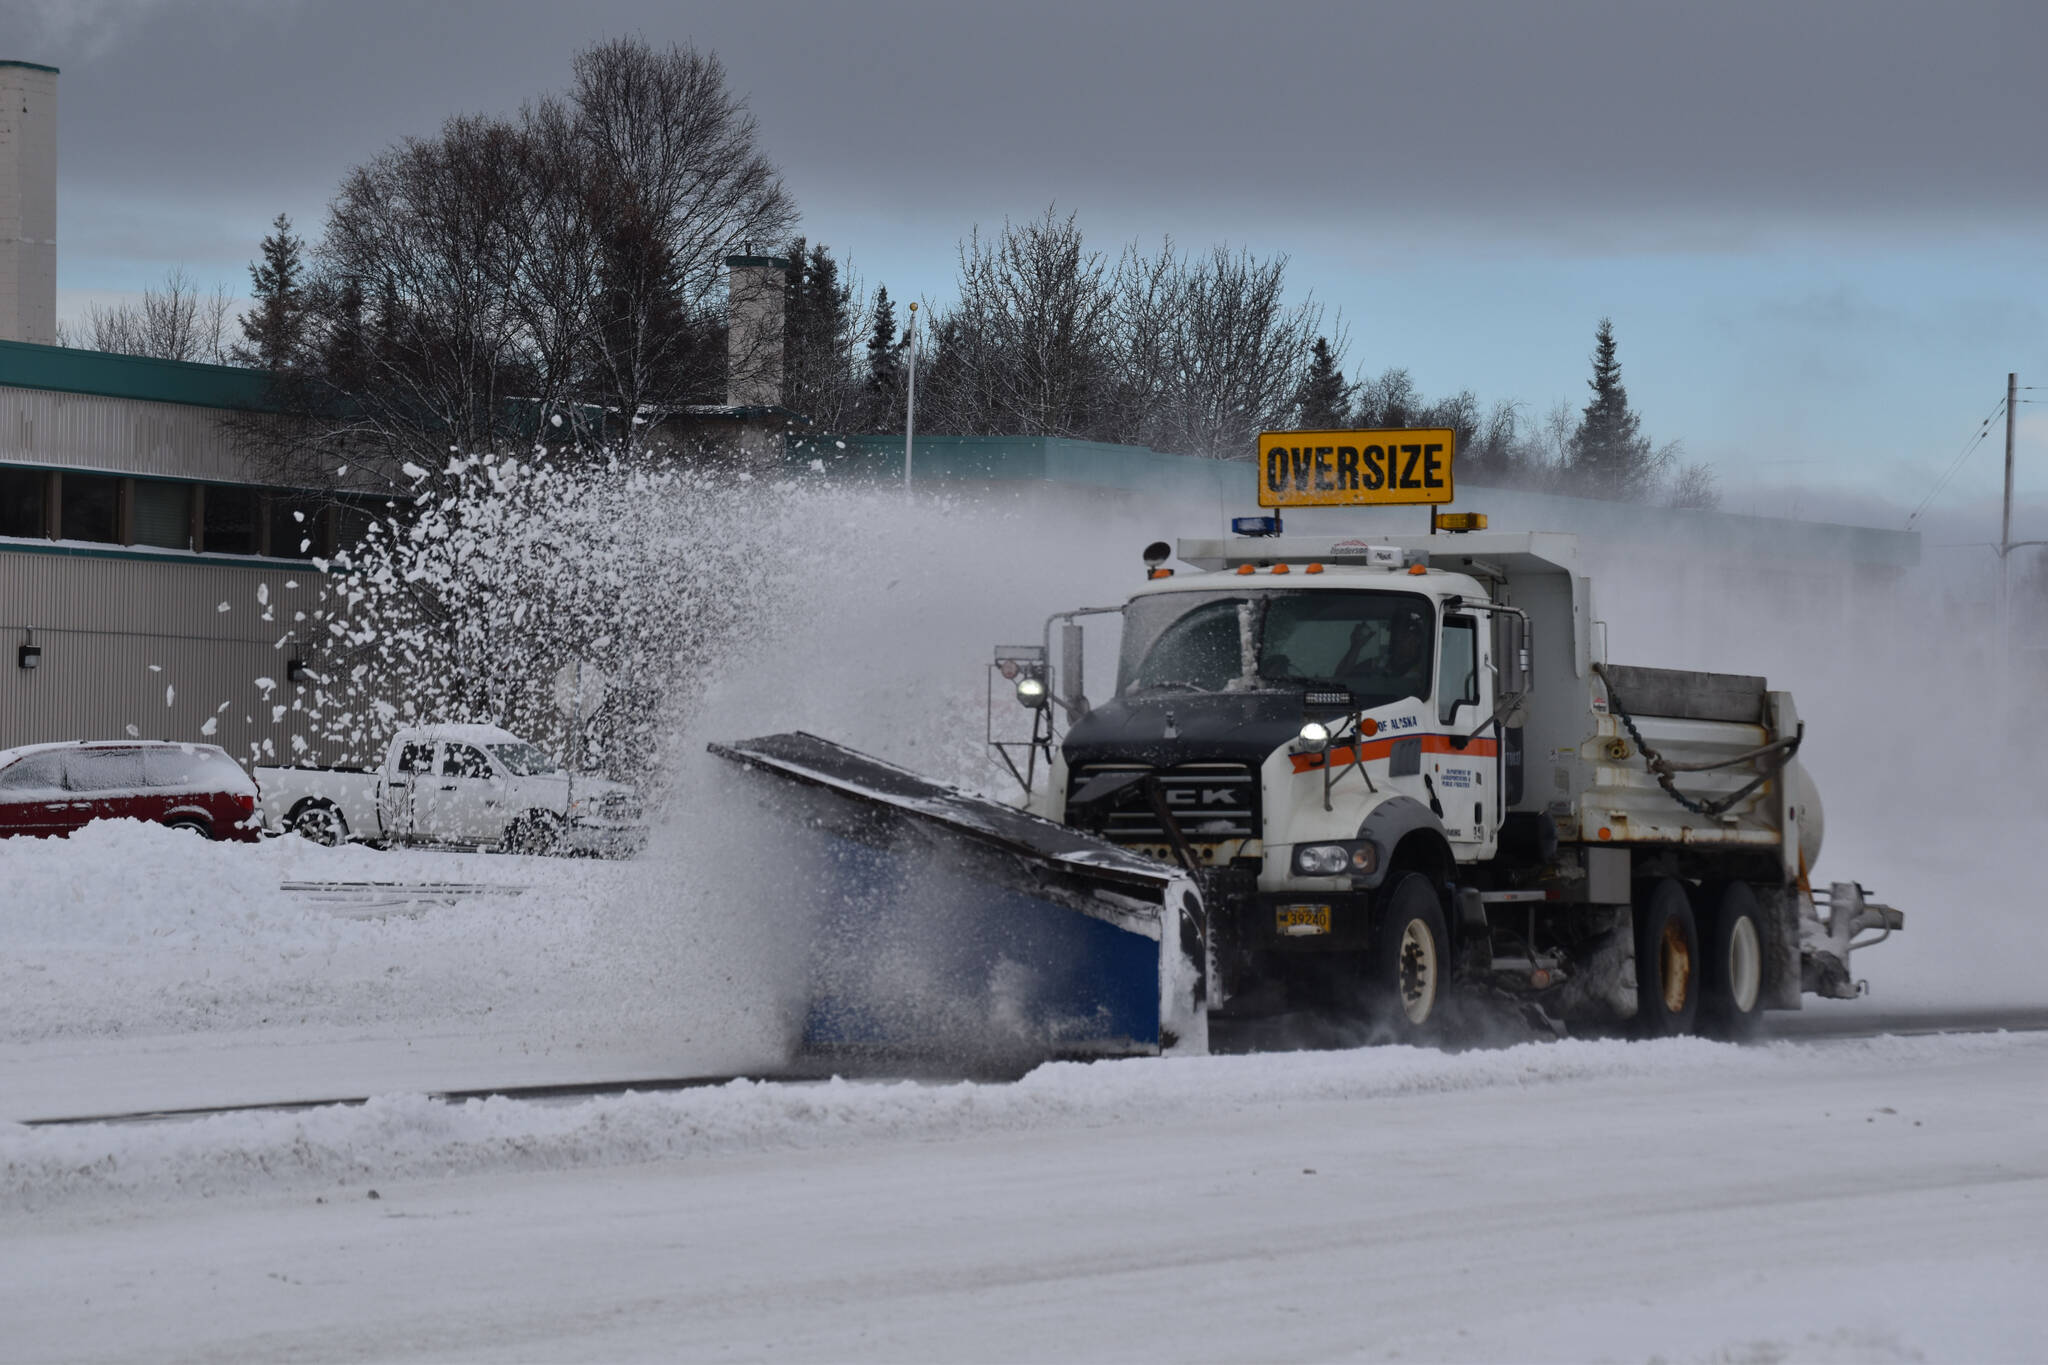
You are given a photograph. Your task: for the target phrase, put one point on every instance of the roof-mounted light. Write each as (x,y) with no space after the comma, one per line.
(1255,526)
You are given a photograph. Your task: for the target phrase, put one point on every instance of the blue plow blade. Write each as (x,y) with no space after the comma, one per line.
(954,929)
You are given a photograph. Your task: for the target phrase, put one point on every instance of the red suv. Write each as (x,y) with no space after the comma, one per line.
(55,788)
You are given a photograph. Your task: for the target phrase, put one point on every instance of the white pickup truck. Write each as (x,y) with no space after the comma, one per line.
(467,786)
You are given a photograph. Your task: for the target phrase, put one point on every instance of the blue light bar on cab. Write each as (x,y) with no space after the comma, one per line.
(1255,526)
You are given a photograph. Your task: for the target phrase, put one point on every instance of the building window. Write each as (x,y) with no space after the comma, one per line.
(23,500)
(163,514)
(230,519)
(90,508)
(297,527)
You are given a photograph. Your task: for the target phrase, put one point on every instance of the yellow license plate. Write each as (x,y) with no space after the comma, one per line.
(1303,919)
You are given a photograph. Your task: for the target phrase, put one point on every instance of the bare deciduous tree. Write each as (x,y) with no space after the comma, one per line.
(174,321)
(558,275)
(676,182)
(1212,349)
(1025,350)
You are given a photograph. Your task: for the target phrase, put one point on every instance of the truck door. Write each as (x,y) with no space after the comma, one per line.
(1463,772)
(410,767)
(462,803)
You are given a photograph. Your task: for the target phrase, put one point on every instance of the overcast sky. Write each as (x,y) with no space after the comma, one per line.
(1817,227)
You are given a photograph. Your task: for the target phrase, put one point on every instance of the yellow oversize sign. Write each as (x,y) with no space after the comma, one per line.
(1343,468)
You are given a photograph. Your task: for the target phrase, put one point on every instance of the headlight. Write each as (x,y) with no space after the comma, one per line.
(1031,692)
(1334,860)
(1322,860)
(1314,738)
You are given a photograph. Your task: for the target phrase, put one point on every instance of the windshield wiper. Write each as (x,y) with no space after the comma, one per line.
(1174,683)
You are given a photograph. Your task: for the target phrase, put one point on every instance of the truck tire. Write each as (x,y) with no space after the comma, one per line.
(1732,975)
(537,833)
(320,821)
(1410,959)
(1667,960)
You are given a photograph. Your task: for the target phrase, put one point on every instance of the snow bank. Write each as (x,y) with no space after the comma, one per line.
(410,1136)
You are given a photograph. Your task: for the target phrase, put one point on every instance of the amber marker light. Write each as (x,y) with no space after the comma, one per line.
(1313,568)
(1281,568)
(1418,569)
(1368,727)
(1245,569)
(1606,833)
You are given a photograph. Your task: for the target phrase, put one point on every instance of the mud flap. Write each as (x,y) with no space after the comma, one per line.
(952,928)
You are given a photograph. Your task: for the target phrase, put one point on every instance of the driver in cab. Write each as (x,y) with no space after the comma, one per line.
(1399,658)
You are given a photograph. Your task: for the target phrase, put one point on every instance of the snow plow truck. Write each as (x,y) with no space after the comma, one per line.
(1360,775)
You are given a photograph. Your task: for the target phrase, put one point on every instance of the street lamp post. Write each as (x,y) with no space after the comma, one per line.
(910,403)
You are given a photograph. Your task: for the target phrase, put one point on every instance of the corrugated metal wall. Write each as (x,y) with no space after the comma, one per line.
(124,435)
(134,645)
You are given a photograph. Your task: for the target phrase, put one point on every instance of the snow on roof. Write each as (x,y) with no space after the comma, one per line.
(9,755)
(467,734)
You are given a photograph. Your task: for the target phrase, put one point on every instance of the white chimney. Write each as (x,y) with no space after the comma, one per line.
(28,202)
(753,335)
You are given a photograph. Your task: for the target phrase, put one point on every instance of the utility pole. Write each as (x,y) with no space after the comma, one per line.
(2012,393)
(910,413)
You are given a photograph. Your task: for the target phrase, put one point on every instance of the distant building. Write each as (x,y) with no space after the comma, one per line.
(152,578)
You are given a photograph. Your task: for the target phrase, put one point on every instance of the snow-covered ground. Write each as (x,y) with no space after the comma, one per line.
(1862,1201)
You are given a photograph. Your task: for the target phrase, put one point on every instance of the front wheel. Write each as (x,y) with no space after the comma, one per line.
(1667,960)
(1409,959)
(536,832)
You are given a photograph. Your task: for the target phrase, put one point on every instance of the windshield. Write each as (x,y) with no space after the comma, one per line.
(1375,645)
(522,759)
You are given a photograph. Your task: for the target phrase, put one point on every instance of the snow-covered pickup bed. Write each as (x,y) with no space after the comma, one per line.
(468,786)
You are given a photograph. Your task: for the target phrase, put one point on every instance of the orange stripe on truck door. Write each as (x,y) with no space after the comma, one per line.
(1347,754)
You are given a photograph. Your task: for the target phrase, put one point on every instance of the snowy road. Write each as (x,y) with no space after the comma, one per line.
(1880,1200)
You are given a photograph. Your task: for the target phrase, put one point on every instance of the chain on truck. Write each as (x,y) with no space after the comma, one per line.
(1395,765)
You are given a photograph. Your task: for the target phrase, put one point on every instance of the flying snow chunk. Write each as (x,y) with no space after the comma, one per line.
(412,471)
(817,466)
(222,607)
(556,419)
(133,733)
(170,695)
(212,724)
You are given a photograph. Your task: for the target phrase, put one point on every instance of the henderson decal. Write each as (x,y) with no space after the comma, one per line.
(1333,468)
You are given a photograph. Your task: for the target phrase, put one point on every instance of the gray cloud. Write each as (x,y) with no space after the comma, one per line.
(1604,119)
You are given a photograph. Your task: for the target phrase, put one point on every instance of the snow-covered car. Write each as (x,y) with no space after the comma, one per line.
(53,789)
(464,786)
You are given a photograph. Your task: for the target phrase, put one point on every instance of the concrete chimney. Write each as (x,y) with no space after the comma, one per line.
(28,202)
(753,330)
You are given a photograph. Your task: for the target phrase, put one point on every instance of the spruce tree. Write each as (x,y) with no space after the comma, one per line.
(885,365)
(275,329)
(1324,399)
(817,377)
(1610,457)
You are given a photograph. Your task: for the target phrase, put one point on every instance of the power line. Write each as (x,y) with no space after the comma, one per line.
(1969,447)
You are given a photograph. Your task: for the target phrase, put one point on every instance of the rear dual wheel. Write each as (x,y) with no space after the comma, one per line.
(1731,930)
(1699,960)
(1667,960)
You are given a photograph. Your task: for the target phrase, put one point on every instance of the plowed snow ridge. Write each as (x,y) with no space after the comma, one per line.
(399,1136)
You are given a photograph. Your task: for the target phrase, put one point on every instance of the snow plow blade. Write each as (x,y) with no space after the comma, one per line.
(955,929)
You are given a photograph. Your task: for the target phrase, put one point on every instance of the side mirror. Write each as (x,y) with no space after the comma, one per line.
(1511,653)
(1071,679)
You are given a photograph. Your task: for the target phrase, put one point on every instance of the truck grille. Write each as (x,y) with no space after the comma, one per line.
(1211,802)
